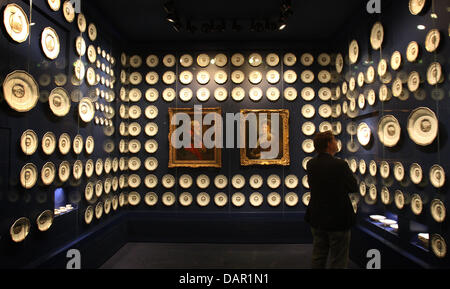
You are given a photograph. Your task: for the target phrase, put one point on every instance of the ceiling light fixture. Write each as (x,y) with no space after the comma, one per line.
(282,24)
(421,27)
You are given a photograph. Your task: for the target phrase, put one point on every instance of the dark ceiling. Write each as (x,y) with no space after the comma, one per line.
(144,21)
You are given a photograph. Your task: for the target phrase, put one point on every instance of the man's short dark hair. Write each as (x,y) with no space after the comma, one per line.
(321,141)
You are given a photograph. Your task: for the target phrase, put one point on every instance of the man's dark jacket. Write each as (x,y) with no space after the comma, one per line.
(331,181)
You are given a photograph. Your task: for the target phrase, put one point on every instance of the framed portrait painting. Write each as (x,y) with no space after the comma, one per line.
(265,136)
(189,133)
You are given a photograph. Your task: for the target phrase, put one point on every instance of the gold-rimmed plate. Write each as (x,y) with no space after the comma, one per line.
(81,22)
(168,199)
(274,182)
(353,51)
(186,60)
(220,77)
(185,199)
(185,181)
(48,173)
(412,52)
(92,32)
(186,77)
(307,76)
(221,182)
(255,94)
(151,146)
(28,176)
(151,181)
(169,94)
(339,63)
(44,221)
(416,6)
(203,60)
(308,111)
(324,59)
(238,94)
(69,11)
(168,181)
(134,181)
(59,102)
(151,199)
(438,246)
(29,142)
(152,61)
(423,126)
(64,171)
(238,60)
(238,199)
(134,198)
(290,76)
(291,182)
(135,61)
(437,176)
(290,94)
(256,199)
(291,199)
(255,59)
(169,60)
(274,199)
(20,91)
(308,128)
(16,23)
(48,143)
(237,77)
(220,94)
(434,73)
(238,182)
(389,131)
(272,59)
(135,78)
(86,109)
(203,94)
(364,134)
(307,59)
(203,182)
(273,94)
(152,78)
(50,43)
(377,35)
(432,40)
(221,199)
(220,60)
(256,182)
(203,199)
(416,204)
(255,77)
(308,146)
(20,230)
(438,211)
(169,77)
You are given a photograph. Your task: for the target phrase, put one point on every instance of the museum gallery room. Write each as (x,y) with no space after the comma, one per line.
(90,174)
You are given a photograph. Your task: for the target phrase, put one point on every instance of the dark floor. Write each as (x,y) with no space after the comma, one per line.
(209,256)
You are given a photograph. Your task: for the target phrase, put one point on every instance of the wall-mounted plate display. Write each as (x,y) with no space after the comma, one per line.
(412,52)
(221,182)
(256,182)
(151,112)
(274,182)
(51,46)
(306,198)
(203,94)
(377,36)
(307,76)
(16,23)
(325,126)
(203,182)
(308,111)
(416,6)
(373,168)
(308,94)
(151,199)
(353,52)
(273,77)
(255,94)
(135,78)
(64,171)
(169,60)
(416,204)
(238,199)
(20,230)
(151,146)
(134,198)
(81,22)
(221,199)
(325,111)
(48,174)
(49,143)
(92,32)
(20,91)
(385,169)
(59,102)
(290,94)
(169,94)
(220,77)
(434,73)
(413,81)
(185,199)
(203,60)
(290,76)
(432,40)
(256,199)
(186,60)
(324,59)
(362,167)
(273,94)
(364,134)
(168,181)
(291,199)
(220,60)
(416,173)
(238,59)
(238,94)
(151,181)
(237,77)
(438,211)
(324,76)
(88,168)
(238,182)
(77,170)
(169,78)
(389,131)
(399,200)
(399,172)
(185,181)
(307,59)
(339,63)
(29,142)
(152,61)
(135,61)
(423,126)
(272,59)
(291,182)
(151,164)
(274,199)
(255,59)
(308,128)
(151,129)
(168,199)
(437,176)
(308,146)
(134,181)
(255,77)
(152,78)
(438,246)
(221,94)
(203,199)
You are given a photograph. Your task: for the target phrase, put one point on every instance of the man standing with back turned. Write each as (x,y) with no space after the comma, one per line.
(330,212)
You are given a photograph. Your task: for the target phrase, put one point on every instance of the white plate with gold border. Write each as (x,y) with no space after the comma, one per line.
(221,199)
(185,199)
(221,182)
(291,199)
(185,181)
(273,94)
(203,182)
(238,199)
(168,199)
(203,199)
(168,181)
(274,182)
(307,59)
(238,60)
(238,182)
(256,200)
(274,199)
(256,182)
(272,59)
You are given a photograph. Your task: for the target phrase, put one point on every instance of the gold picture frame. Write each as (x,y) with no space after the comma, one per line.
(284,154)
(194,157)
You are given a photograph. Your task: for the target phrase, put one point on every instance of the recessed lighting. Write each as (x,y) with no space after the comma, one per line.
(421,27)
(434,15)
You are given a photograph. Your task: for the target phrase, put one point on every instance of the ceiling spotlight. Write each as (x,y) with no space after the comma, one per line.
(169,7)
(282,24)
(434,15)
(421,27)
(172,18)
